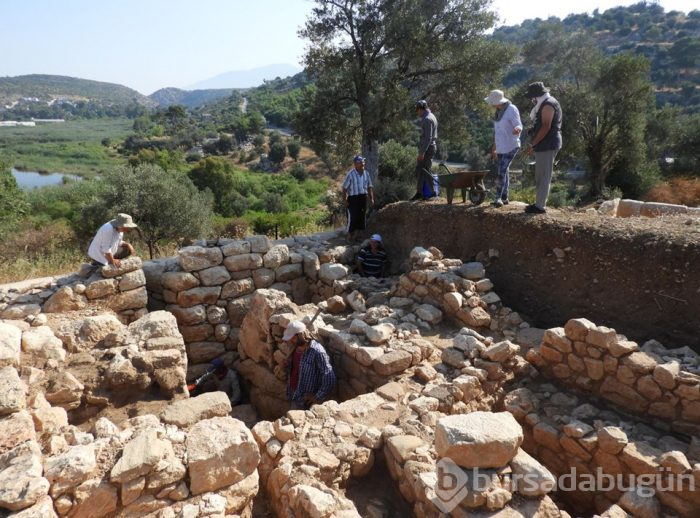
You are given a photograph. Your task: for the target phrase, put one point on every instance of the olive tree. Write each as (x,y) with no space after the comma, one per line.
(165,205)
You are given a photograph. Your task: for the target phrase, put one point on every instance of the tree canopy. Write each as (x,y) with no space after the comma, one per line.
(371,59)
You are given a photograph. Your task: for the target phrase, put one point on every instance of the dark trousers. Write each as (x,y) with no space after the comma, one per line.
(423,170)
(357,212)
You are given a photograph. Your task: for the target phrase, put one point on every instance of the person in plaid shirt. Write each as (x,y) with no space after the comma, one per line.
(310,376)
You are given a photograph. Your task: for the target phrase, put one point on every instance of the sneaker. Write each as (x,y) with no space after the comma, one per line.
(534,209)
(498,204)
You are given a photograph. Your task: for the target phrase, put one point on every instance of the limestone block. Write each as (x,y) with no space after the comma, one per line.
(101,288)
(49,420)
(380,333)
(204,352)
(329,272)
(601,337)
(16,429)
(547,435)
(94,497)
(41,342)
(357,301)
(156,324)
(216,315)
(594,368)
(288,272)
(237,288)
(335,304)
(576,329)
(403,446)
(471,346)
(392,363)
(424,404)
(20,311)
(43,508)
(367,355)
(140,455)
(655,210)
(193,258)
(97,328)
(216,464)
(10,344)
(623,395)
(640,363)
(640,505)
(533,478)
(453,301)
(131,490)
(238,263)
(70,468)
(236,248)
(620,348)
(263,278)
(259,244)
(179,281)
(65,299)
(474,317)
(12,391)
(641,458)
(256,341)
(557,339)
(21,483)
(188,316)
(132,280)
(648,388)
(676,462)
(214,276)
(311,265)
(276,256)
(201,295)
(478,439)
(65,390)
(629,208)
(237,309)
(429,313)
(308,501)
(473,271)
(609,207)
(127,265)
(502,351)
(665,374)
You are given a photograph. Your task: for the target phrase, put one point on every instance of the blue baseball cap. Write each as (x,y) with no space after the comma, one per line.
(359,158)
(216,364)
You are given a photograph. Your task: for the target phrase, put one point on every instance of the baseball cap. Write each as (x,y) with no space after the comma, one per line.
(358,158)
(294,328)
(376,237)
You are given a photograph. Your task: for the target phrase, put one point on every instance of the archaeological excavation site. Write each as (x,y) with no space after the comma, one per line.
(510,366)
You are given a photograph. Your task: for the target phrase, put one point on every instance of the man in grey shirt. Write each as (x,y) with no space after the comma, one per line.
(427,147)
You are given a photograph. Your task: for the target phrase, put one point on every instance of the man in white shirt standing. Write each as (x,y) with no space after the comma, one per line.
(108,245)
(506,141)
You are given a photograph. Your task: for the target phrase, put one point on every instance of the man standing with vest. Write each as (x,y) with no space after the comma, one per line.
(427,147)
(545,140)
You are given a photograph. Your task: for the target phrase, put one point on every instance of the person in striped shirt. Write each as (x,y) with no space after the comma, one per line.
(372,258)
(310,376)
(357,187)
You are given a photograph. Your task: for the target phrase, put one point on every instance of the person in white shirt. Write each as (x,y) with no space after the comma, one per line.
(506,141)
(108,245)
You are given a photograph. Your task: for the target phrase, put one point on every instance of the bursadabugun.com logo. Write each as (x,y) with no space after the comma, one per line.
(454,483)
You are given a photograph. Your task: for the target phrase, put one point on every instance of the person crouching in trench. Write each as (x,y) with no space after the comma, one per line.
(310,376)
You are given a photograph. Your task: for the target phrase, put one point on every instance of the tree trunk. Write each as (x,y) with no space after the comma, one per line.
(598,172)
(150,248)
(370,150)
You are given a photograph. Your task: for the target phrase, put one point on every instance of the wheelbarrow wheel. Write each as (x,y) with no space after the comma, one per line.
(477,197)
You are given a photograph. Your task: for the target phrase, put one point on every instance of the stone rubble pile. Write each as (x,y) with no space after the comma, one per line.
(143,467)
(650,380)
(622,208)
(122,290)
(564,432)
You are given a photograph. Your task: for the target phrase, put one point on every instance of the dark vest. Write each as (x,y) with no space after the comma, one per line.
(551,141)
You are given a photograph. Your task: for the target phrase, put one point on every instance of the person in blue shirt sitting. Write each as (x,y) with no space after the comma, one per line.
(371,261)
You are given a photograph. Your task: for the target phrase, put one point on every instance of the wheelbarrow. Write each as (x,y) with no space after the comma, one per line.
(471,182)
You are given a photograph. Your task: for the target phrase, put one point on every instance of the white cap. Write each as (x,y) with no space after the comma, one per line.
(376,237)
(294,328)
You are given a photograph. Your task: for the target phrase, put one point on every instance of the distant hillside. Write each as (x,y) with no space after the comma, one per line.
(670,40)
(247,78)
(189,98)
(47,88)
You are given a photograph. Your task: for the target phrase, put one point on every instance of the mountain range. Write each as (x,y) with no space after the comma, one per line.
(246,78)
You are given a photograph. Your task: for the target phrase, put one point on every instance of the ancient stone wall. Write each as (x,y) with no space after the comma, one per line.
(122,290)
(606,456)
(662,384)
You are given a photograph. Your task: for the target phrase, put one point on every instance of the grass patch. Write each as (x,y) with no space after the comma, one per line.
(73,147)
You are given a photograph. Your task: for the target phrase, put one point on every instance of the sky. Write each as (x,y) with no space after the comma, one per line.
(152,44)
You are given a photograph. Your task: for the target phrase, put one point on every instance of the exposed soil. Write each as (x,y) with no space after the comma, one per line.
(637,275)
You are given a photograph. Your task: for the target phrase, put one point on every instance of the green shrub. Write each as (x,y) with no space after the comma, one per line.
(299,172)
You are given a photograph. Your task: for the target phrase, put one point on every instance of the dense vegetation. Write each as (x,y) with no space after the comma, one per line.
(189,98)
